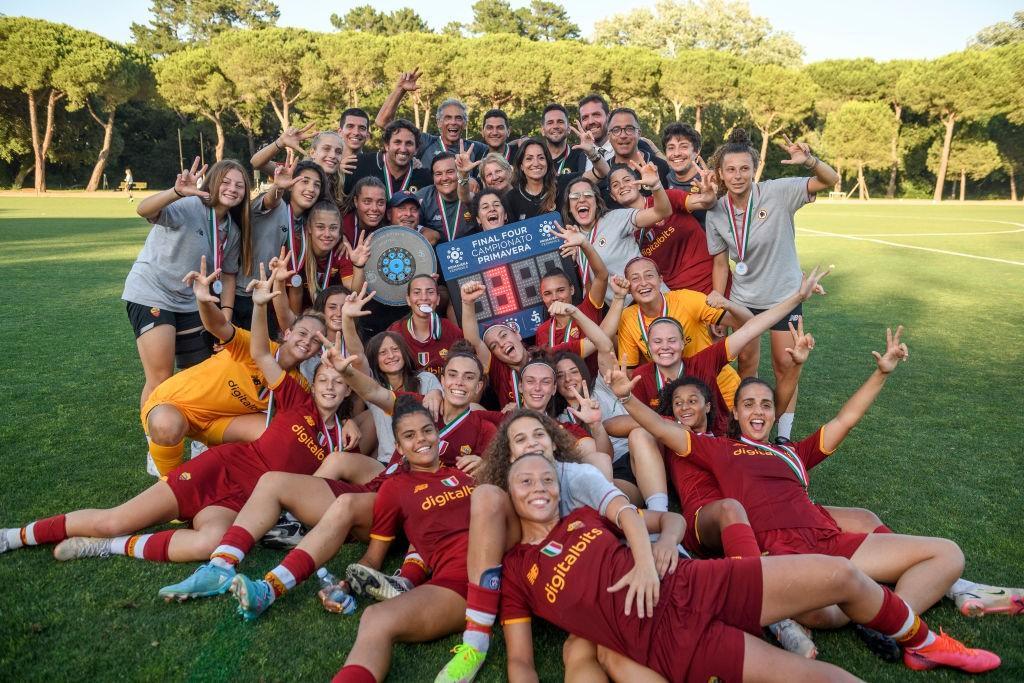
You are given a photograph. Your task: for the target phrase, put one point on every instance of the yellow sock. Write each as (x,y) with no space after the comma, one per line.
(166,458)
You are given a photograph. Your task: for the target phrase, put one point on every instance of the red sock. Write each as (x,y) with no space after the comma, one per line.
(896,619)
(49,530)
(414,569)
(156,547)
(738,541)
(234,545)
(353,673)
(882,529)
(295,568)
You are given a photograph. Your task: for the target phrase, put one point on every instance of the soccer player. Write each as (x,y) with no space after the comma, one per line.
(209,490)
(489,209)
(394,166)
(752,224)
(707,623)
(428,335)
(327,149)
(494,528)
(326,262)
(613,232)
(693,310)
(162,309)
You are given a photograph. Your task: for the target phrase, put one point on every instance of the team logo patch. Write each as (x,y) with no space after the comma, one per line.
(762,214)
(419,487)
(532,575)
(602,242)
(423,357)
(513,325)
(465,450)
(392,469)
(450,482)
(309,420)
(184,476)
(443,353)
(552,549)
(155,312)
(467,215)
(573,526)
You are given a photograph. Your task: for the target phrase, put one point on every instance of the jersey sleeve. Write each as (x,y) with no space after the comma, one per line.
(701,450)
(587,486)
(238,345)
(629,338)
(428,382)
(178,213)
(287,391)
(677,198)
(707,363)
(386,513)
(811,450)
(515,602)
(697,305)
(793,190)
(590,309)
(714,219)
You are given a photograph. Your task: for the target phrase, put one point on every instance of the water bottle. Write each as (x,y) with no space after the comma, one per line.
(333,593)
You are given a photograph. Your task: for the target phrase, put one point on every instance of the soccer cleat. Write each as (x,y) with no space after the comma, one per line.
(4,543)
(205,582)
(463,667)
(151,469)
(948,651)
(880,645)
(982,600)
(196,448)
(376,584)
(254,597)
(285,535)
(77,547)
(792,637)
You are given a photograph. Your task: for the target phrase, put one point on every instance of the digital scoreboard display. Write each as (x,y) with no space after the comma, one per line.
(510,261)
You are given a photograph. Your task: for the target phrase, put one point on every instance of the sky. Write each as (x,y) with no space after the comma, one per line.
(883,29)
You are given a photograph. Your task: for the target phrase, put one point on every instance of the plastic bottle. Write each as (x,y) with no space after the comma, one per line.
(331,591)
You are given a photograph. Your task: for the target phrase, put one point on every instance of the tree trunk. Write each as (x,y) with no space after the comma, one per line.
(963,184)
(861,186)
(19,178)
(251,140)
(890,192)
(1013,184)
(219,149)
(677,106)
(101,160)
(764,151)
(947,142)
(839,172)
(697,117)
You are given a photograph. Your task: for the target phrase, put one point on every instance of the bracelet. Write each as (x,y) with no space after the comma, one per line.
(227,308)
(178,193)
(657,188)
(813,164)
(629,506)
(359,267)
(277,143)
(626,399)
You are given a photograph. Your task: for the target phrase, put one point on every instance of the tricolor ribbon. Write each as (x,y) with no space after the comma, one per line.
(435,326)
(449,229)
(404,183)
(741,232)
(297,263)
(453,425)
(216,244)
(786,455)
(327,433)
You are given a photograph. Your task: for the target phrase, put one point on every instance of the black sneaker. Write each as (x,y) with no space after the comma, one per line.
(285,535)
(880,645)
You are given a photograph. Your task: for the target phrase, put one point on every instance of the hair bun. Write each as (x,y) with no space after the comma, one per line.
(739,136)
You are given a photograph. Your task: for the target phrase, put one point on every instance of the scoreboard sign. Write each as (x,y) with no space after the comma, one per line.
(510,261)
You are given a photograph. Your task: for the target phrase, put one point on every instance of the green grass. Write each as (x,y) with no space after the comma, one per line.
(935,456)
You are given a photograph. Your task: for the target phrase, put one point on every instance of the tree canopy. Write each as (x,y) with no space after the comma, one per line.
(176,23)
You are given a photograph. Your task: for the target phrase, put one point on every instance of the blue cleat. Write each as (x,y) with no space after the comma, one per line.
(207,581)
(254,597)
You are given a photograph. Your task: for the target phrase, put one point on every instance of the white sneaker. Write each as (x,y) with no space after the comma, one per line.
(151,466)
(197,448)
(77,547)
(794,638)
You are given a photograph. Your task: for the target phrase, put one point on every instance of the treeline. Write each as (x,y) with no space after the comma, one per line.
(75,106)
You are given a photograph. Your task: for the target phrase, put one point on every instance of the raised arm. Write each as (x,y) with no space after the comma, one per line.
(350,310)
(854,409)
(669,433)
(213,318)
(610,324)
(594,337)
(599,165)
(366,387)
(406,83)
(259,336)
(471,291)
(185,185)
(291,139)
(574,239)
(281,274)
(800,153)
(662,208)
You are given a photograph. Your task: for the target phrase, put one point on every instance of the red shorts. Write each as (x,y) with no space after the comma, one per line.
(691,541)
(713,603)
(209,480)
(340,488)
(805,541)
(452,574)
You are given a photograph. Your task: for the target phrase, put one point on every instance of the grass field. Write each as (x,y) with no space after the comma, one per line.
(935,456)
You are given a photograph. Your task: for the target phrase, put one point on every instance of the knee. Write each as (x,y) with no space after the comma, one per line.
(731,511)
(376,622)
(575,650)
(270,481)
(487,500)
(846,575)
(341,507)
(867,520)
(640,439)
(951,553)
(166,427)
(110,525)
(605,657)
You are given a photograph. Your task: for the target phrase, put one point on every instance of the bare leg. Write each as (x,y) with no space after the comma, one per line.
(166,425)
(795,584)
(196,544)
(922,568)
(648,465)
(622,669)
(367,444)
(783,366)
(716,516)
(854,520)
(350,513)
(765,663)
(748,359)
(579,658)
(493,529)
(155,505)
(245,428)
(156,351)
(304,496)
(424,613)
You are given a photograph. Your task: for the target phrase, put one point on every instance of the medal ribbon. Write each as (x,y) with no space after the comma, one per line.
(404,183)
(565,335)
(435,326)
(327,272)
(786,455)
(296,264)
(451,426)
(563,157)
(267,390)
(515,389)
(449,231)
(584,261)
(643,323)
(215,242)
(327,432)
(508,154)
(741,233)
(659,379)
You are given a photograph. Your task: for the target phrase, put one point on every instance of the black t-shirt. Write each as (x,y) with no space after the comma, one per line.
(372,164)
(523,205)
(687,186)
(664,172)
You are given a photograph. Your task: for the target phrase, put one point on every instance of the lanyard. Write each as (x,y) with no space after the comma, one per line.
(741,231)
(449,230)
(326,431)
(435,327)
(642,322)
(453,425)
(216,243)
(786,455)
(404,183)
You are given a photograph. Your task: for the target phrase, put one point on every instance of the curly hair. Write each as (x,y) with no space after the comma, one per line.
(669,390)
(498,456)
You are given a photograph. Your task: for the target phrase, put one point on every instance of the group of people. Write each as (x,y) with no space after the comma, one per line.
(528,477)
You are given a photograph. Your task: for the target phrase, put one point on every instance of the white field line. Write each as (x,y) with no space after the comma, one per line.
(857,238)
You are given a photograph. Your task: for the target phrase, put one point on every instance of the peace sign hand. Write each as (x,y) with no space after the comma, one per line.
(464,163)
(279,267)
(799,152)
(186,183)
(648,173)
(284,178)
(407,80)
(261,288)
(293,137)
(200,282)
(589,412)
(809,285)
(619,382)
(587,142)
(894,351)
(348,162)
(360,253)
(331,353)
(707,188)
(803,344)
(354,302)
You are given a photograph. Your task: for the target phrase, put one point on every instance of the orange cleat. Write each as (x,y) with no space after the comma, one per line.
(948,651)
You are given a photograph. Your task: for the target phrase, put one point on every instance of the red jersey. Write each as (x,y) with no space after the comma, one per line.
(705,365)
(430,355)
(768,480)
(548,334)
(432,508)
(501,377)
(679,247)
(578,431)
(470,433)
